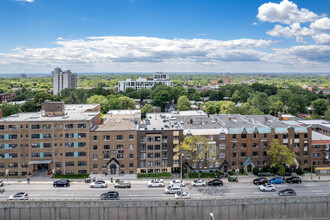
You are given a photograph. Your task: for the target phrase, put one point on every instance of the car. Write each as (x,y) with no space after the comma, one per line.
(198,182)
(1,183)
(172,189)
(123,184)
(260,181)
(267,187)
(276,180)
(63,183)
(294,179)
(156,183)
(19,196)
(99,184)
(109,195)
(185,195)
(177,183)
(215,182)
(287,192)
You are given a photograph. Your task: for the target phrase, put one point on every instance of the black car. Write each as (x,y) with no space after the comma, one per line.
(260,181)
(110,195)
(287,192)
(63,183)
(294,179)
(215,182)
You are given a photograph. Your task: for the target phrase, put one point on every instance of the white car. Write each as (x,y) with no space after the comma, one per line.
(19,196)
(177,183)
(99,184)
(185,195)
(1,183)
(198,183)
(267,187)
(172,190)
(156,183)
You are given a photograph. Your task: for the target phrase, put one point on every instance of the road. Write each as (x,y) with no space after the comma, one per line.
(139,190)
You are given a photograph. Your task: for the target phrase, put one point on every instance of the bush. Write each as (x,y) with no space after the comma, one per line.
(299,171)
(255,170)
(71,176)
(205,175)
(153,175)
(231,173)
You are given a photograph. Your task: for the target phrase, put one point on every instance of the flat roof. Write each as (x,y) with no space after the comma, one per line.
(316,136)
(117,122)
(73,112)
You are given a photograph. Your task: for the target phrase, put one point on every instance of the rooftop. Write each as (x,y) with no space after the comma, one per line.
(160,121)
(115,122)
(316,136)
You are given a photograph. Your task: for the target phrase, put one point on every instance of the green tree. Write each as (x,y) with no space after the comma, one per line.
(72,99)
(296,104)
(40,97)
(183,103)
(227,107)
(147,108)
(162,98)
(144,93)
(320,106)
(99,99)
(281,155)
(327,114)
(236,96)
(209,108)
(199,150)
(9,109)
(276,107)
(126,103)
(260,100)
(177,92)
(30,107)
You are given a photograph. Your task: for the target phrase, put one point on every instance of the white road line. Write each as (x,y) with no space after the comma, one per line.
(227,194)
(314,191)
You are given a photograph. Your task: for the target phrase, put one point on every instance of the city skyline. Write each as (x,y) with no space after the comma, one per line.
(168,36)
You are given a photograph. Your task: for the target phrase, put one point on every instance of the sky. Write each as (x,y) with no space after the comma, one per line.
(164,35)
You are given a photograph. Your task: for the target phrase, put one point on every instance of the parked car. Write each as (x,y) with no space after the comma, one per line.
(177,183)
(123,184)
(1,183)
(2,190)
(99,184)
(19,196)
(287,192)
(198,182)
(110,195)
(215,182)
(276,180)
(172,189)
(156,183)
(185,195)
(260,181)
(63,183)
(294,179)
(267,187)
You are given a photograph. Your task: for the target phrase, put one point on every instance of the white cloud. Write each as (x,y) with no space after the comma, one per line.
(294,30)
(285,12)
(322,24)
(25,1)
(322,38)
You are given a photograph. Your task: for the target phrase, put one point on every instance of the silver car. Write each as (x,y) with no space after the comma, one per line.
(19,196)
(172,189)
(99,184)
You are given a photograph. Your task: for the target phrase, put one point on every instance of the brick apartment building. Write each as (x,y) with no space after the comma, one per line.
(6,97)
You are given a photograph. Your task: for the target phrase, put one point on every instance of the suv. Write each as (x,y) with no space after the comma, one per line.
(260,181)
(276,180)
(63,183)
(110,195)
(267,187)
(172,189)
(123,184)
(215,182)
(177,183)
(294,179)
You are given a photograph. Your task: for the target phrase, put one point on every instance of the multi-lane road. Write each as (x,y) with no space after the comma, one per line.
(139,190)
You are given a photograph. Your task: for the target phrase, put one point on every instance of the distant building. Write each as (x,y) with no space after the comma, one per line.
(6,97)
(63,80)
(227,80)
(23,75)
(148,83)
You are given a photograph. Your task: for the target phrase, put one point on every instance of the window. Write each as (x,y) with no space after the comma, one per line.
(264,144)
(69,154)
(35,136)
(305,135)
(255,135)
(47,145)
(255,153)
(285,136)
(120,156)
(265,135)
(120,147)
(69,163)
(150,139)
(222,136)
(106,147)
(81,135)
(12,146)
(233,163)
(233,154)
(33,127)
(24,165)
(2,165)
(2,137)
(35,154)
(82,171)
(164,154)
(276,136)
(82,154)
(95,166)
(316,155)
(142,139)
(47,136)
(150,155)
(157,155)
(142,164)
(234,145)
(211,137)
(222,155)
(82,144)
(296,144)
(175,138)
(255,145)
(131,147)
(12,127)
(243,136)
(94,156)
(131,155)
(150,147)
(47,126)
(164,139)
(94,138)
(243,154)
(81,126)
(2,127)
(142,156)
(264,153)
(234,136)
(58,164)
(68,135)
(119,137)
(68,126)
(131,137)
(12,136)
(70,144)
(164,147)
(243,145)
(48,154)
(297,153)
(69,172)
(296,135)
(131,165)
(157,139)
(106,137)
(94,147)
(122,165)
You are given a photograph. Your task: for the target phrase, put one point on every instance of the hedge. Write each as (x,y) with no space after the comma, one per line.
(71,176)
(154,175)
(204,175)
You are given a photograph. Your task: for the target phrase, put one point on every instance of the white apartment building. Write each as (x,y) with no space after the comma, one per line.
(148,83)
(63,79)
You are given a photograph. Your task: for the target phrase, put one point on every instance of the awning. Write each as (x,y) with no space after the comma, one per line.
(40,162)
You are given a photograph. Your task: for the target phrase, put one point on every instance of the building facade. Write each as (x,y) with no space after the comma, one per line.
(148,83)
(6,97)
(63,80)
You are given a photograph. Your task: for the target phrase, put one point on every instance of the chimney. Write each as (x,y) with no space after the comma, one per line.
(279,115)
(266,119)
(0,113)
(229,118)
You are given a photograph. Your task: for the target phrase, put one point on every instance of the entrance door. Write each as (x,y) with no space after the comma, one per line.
(113,169)
(249,168)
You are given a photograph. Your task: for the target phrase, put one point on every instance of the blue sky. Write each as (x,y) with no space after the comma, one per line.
(165,35)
